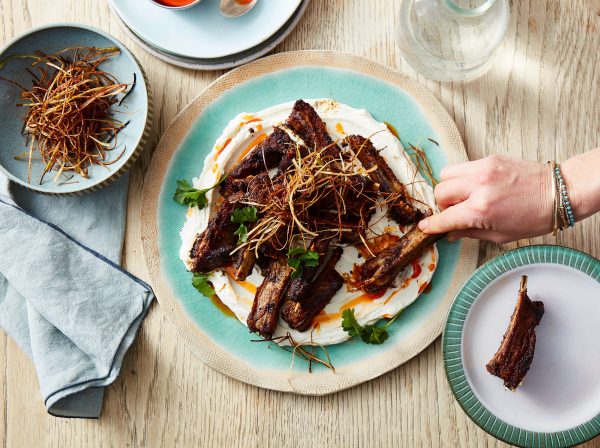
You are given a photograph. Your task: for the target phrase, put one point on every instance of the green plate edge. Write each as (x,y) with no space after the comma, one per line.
(452,346)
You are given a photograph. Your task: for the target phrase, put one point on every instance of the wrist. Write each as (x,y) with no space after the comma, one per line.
(580,174)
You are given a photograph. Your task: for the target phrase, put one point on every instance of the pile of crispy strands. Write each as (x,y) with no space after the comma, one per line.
(69,118)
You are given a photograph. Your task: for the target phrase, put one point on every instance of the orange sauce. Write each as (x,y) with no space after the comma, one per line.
(416,269)
(221,306)
(423,287)
(221,148)
(339,128)
(215,167)
(251,288)
(378,244)
(243,2)
(392,129)
(431,267)
(174,2)
(252,120)
(259,127)
(322,317)
(427,289)
(251,146)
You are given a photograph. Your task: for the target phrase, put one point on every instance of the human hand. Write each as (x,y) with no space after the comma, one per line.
(497,198)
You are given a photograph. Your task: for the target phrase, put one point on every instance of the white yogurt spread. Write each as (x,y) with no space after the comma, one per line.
(243,133)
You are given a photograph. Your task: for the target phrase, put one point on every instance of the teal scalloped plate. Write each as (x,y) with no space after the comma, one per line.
(558,403)
(223,342)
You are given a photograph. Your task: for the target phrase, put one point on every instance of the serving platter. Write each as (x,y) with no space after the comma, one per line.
(225,62)
(222,342)
(558,403)
(201,31)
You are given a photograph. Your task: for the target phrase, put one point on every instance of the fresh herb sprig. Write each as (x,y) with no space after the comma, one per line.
(185,194)
(370,334)
(200,282)
(242,216)
(299,258)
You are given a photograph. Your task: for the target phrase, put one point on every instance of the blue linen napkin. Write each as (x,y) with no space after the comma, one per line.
(63,297)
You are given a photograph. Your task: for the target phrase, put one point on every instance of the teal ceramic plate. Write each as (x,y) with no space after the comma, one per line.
(558,403)
(222,341)
(136,108)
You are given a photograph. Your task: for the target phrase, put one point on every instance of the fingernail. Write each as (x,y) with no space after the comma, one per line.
(423,224)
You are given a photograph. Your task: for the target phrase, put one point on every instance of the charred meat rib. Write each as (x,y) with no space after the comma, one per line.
(306,123)
(300,285)
(300,315)
(377,273)
(513,359)
(212,248)
(268,298)
(401,211)
(266,155)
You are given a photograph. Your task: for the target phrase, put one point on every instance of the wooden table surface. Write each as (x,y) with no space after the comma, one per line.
(539,101)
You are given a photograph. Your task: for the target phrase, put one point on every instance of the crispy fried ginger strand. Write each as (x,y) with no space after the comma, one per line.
(513,359)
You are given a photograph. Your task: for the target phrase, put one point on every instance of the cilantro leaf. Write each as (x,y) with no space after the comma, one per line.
(306,258)
(200,282)
(242,233)
(369,334)
(242,215)
(185,194)
(374,335)
(350,324)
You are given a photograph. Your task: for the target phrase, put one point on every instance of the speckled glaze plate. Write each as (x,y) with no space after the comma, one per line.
(137,108)
(558,403)
(223,342)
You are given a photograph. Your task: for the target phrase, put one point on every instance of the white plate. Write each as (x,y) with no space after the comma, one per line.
(202,32)
(227,62)
(560,396)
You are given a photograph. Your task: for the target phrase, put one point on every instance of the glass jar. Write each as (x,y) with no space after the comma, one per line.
(452,40)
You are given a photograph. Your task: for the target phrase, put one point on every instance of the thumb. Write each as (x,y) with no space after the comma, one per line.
(455,217)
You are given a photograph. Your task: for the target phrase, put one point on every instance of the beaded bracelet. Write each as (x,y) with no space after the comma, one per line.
(562,215)
(565,202)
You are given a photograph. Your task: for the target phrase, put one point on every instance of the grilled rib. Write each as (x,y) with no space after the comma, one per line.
(300,315)
(268,299)
(306,123)
(266,155)
(378,273)
(513,359)
(401,210)
(212,247)
(300,285)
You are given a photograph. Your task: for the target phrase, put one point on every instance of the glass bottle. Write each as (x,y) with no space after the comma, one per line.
(452,40)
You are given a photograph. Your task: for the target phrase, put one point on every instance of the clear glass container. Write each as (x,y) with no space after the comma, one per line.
(452,40)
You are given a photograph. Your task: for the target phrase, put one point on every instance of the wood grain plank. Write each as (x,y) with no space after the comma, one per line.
(539,101)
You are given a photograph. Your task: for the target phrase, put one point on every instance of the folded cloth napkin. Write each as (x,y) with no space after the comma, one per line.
(63,297)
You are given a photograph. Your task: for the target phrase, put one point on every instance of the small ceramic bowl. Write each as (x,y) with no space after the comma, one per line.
(136,108)
(186,6)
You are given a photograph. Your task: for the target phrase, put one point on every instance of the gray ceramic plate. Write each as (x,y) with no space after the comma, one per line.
(136,108)
(226,62)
